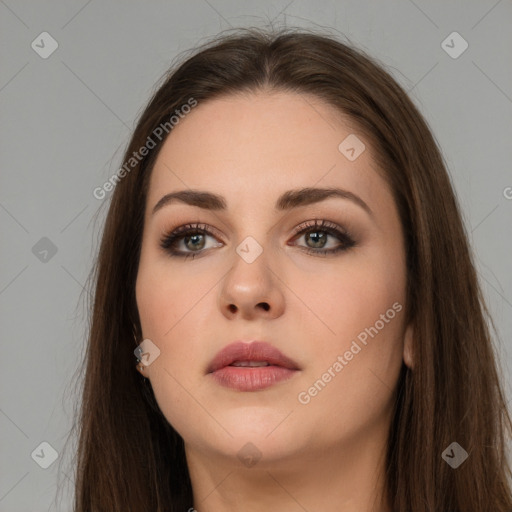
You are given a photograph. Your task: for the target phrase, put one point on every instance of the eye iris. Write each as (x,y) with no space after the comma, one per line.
(319,237)
(194,237)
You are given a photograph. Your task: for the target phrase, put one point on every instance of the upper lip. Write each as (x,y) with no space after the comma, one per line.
(250,351)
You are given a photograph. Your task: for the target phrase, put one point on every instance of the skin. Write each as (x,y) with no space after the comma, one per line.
(327,454)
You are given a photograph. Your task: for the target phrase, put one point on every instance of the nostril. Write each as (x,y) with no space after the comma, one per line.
(232,308)
(265,306)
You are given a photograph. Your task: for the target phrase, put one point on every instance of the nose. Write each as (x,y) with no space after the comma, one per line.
(252,290)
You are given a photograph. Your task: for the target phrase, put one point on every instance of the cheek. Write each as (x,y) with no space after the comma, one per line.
(356,391)
(346,299)
(157,310)
(361,306)
(166,296)
(175,309)
(167,315)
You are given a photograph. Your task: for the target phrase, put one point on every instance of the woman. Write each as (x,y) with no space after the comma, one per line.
(285,256)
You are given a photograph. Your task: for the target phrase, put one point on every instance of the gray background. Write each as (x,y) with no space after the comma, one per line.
(67,118)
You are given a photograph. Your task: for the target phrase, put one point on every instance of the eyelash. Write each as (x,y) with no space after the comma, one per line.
(348,242)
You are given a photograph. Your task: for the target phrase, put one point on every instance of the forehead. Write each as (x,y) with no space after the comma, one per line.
(254,146)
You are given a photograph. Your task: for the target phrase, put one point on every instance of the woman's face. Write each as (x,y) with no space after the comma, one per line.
(263,271)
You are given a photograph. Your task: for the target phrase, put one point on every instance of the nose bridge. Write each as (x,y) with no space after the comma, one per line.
(250,285)
(252,229)
(251,263)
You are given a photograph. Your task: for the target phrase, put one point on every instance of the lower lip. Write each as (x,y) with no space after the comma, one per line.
(244,378)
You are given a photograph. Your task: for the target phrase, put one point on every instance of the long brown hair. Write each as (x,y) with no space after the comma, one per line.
(130,458)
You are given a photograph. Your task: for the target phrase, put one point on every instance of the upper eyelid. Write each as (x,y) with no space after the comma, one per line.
(193,227)
(319,224)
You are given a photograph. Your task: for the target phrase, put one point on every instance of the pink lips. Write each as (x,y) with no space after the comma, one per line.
(247,378)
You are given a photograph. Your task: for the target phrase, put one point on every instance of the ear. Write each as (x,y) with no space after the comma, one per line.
(408,346)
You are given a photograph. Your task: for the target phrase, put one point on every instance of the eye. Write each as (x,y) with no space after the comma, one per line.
(192,236)
(316,234)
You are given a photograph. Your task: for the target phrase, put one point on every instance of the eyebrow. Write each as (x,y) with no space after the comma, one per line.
(286,201)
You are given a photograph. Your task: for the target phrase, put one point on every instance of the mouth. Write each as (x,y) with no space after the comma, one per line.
(251,354)
(251,366)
